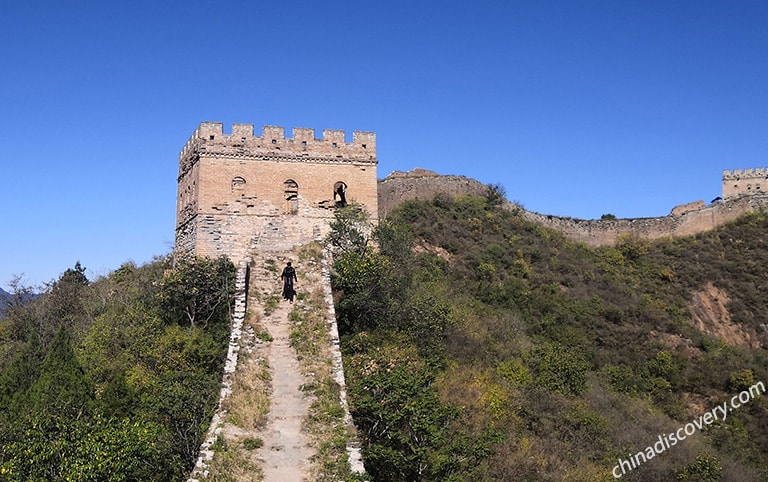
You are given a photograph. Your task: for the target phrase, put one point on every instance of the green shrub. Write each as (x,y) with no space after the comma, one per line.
(557,369)
(252,443)
(741,380)
(706,468)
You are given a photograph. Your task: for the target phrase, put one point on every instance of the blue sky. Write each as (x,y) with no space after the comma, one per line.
(576,108)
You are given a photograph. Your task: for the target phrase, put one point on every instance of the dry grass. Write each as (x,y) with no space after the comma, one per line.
(233,463)
(311,339)
(249,404)
(247,409)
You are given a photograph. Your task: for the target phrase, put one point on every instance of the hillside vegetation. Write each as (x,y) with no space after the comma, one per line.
(114,379)
(477,346)
(481,346)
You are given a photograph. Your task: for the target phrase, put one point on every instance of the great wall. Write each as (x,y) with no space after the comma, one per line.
(684,220)
(257,199)
(237,189)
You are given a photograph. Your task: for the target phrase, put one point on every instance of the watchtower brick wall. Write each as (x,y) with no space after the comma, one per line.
(237,189)
(745,182)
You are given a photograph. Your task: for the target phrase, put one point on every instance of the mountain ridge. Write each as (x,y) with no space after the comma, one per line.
(5,297)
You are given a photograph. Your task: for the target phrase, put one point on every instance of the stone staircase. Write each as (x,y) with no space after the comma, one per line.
(260,430)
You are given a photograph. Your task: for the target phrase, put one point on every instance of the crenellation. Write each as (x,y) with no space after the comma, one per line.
(244,132)
(365,141)
(210,130)
(273,134)
(304,134)
(335,137)
(210,138)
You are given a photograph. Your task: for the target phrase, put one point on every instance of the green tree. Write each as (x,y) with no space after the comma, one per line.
(361,279)
(350,230)
(401,416)
(17,378)
(62,388)
(118,399)
(183,402)
(128,337)
(197,291)
(706,468)
(495,194)
(558,369)
(56,448)
(75,276)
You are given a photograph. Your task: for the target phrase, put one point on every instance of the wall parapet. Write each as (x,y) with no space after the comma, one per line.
(209,139)
(757,172)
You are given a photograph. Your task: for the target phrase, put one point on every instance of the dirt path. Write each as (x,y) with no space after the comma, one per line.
(286,450)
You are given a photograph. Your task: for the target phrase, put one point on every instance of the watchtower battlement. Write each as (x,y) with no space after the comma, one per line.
(744,182)
(237,188)
(209,139)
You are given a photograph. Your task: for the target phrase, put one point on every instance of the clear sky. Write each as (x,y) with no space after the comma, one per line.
(576,108)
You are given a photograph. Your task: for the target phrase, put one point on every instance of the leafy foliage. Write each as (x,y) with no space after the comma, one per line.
(196,292)
(482,346)
(349,230)
(114,379)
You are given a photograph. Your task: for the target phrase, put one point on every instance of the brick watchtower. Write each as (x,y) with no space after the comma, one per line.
(235,190)
(745,182)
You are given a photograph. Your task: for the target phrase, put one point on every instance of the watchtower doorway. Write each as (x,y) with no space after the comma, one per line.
(291,191)
(340,194)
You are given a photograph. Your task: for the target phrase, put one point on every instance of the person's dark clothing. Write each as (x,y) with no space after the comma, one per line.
(288,277)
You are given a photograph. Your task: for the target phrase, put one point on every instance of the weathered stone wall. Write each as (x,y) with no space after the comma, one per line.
(688,207)
(688,220)
(422,184)
(234,189)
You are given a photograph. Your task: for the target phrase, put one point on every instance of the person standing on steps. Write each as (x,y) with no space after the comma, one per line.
(288,277)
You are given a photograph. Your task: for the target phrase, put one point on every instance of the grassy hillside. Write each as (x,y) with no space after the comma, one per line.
(114,379)
(480,346)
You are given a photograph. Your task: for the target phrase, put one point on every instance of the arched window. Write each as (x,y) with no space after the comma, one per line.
(238,186)
(291,191)
(340,194)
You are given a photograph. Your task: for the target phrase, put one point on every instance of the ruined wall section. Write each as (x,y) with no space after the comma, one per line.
(745,182)
(687,208)
(421,184)
(234,189)
(685,220)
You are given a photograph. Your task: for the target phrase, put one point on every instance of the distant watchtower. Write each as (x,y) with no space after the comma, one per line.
(745,182)
(238,190)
